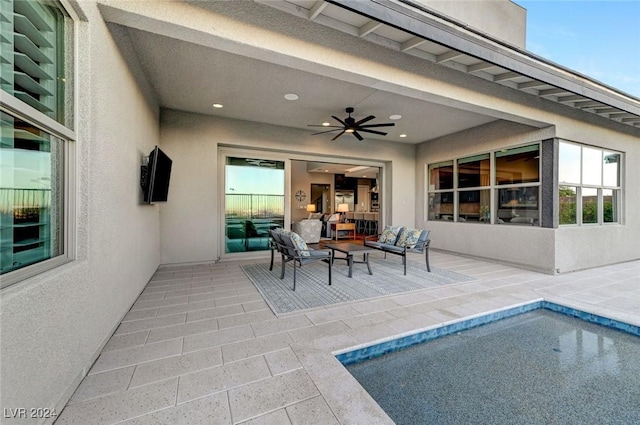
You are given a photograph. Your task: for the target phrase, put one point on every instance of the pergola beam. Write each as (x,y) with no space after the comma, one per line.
(506,76)
(317,9)
(410,44)
(368,28)
(447,56)
(479,66)
(531,84)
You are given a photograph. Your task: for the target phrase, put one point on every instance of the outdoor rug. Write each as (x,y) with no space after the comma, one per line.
(312,289)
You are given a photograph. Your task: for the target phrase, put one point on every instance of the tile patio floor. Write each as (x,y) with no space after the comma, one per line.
(200,346)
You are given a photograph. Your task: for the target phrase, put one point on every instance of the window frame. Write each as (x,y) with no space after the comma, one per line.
(21,110)
(492,187)
(599,188)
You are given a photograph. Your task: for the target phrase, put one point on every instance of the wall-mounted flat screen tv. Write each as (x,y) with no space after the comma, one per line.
(155,177)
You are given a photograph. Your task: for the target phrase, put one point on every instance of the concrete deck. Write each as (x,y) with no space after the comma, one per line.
(200,346)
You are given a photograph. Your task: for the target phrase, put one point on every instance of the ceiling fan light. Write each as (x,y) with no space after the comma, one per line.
(349,130)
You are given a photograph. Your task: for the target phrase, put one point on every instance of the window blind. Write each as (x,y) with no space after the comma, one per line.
(29,53)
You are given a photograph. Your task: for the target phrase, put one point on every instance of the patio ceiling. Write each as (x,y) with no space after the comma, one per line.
(189,73)
(191,77)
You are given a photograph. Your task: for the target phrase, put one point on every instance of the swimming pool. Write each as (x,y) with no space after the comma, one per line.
(534,367)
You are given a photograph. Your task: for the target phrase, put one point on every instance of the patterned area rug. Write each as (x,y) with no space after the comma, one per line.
(312,289)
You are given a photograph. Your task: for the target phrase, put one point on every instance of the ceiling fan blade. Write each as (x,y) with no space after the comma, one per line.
(372,131)
(328,131)
(359,137)
(389,124)
(339,120)
(364,120)
(339,134)
(326,126)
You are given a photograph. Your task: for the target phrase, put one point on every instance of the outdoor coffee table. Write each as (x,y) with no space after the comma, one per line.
(350,249)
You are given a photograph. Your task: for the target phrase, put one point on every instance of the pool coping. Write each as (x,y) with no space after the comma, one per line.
(378,348)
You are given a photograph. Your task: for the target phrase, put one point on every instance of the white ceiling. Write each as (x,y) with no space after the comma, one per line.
(191,77)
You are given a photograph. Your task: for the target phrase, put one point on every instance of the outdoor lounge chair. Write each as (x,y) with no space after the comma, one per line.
(292,248)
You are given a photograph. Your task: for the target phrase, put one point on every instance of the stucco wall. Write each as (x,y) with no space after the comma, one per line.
(191,220)
(550,250)
(531,247)
(55,324)
(502,19)
(592,246)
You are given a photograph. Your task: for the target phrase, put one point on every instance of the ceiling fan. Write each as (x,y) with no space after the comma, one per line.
(350,125)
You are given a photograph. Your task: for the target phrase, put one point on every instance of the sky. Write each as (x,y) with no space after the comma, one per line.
(597,38)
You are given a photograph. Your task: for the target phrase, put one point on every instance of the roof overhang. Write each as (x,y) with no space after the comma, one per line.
(447,42)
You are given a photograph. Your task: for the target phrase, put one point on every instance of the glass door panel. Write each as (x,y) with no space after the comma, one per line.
(254,202)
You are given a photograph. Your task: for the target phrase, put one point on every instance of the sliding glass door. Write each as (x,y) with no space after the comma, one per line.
(254,202)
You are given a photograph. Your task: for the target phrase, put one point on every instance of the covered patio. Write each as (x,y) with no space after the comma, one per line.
(200,345)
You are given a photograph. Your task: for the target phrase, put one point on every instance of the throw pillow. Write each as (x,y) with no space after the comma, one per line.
(389,235)
(409,237)
(298,243)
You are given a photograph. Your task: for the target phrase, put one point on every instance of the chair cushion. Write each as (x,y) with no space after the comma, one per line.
(409,237)
(391,248)
(298,242)
(389,234)
(373,244)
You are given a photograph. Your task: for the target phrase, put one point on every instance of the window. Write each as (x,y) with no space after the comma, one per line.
(36,117)
(441,191)
(511,198)
(518,179)
(589,185)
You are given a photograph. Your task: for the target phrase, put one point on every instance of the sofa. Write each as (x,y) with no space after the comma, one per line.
(309,230)
(327,219)
(400,240)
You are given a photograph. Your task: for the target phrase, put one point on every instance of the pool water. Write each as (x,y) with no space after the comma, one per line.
(539,367)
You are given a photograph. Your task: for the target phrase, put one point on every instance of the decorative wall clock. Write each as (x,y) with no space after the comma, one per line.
(300,195)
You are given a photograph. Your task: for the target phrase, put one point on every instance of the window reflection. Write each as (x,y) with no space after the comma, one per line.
(589,205)
(518,205)
(441,176)
(441,206)
(611,169)
(610,206)
(31,196)
(591,166)
(518,165)
(569,170)
(568,199)
(474,205)
(474,171)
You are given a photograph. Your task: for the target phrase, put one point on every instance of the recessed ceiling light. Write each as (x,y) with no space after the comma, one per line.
(364,176)
(326,171)
(326,124)
(291,96)
(395,117)
(217,105)
(403,135)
